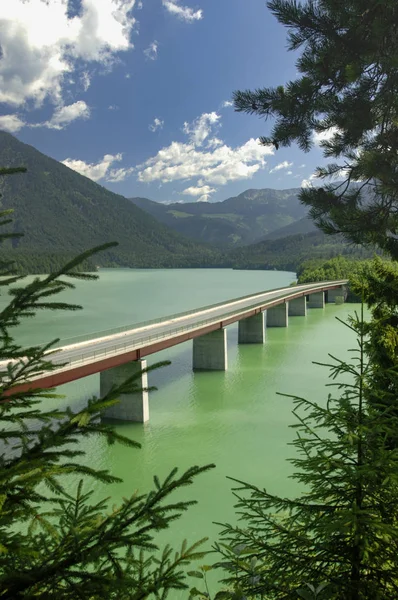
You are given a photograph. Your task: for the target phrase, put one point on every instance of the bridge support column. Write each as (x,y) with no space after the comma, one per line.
(316,300)
(277,316)
(131,407)
(336,293)
(209,352)
(298,307)
(252,330)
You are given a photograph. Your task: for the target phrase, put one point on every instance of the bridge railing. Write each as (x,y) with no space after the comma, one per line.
(175,330)
(115,330)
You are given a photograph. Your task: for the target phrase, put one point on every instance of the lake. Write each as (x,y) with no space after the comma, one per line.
(234,419)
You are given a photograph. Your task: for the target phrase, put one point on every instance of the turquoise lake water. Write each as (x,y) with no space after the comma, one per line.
(234,419)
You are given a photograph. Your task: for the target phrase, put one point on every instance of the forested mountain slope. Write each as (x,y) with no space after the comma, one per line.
(288,253)
(237,221)
(62,212)
(304,225)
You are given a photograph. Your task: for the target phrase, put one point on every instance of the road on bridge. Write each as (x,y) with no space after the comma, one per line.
(97,353)
(170,327)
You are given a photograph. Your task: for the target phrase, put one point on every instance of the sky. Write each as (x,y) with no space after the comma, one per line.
(136,94)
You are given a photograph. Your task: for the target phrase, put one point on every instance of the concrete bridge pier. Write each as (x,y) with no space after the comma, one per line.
(209,351)
(131,407)
(298,307)
(336,293)
(252,330)
(277,316)
(316,300)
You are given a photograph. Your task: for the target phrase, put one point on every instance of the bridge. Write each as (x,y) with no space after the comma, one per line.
(119,353)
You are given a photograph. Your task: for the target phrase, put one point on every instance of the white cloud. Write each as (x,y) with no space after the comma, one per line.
(113,107)
(101,170)
(282,165)
(216,166)
(139,5)
(289,173)
(324,136)
(116,175)
(306,183)
(41,45)
(86,80)
(182,12)
(62,116)
(214,142)
(203,191)
(152,51)
(201,127)
(11,123)
(227,104)
(66,114)
(157,124)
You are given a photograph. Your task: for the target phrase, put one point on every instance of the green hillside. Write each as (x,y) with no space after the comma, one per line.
(304,225)
(288,253)
(237,221)
(62,213)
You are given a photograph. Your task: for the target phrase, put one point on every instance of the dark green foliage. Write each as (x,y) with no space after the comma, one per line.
(342,531)
(338,539)
(32,263)
(335,268)
(366,280)
(55,541)
(61,213)
(380,289)
(348,81)
(236,221)
(289,253)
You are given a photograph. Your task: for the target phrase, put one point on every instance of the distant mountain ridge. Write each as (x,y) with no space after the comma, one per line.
(304,225)
(60,211)
(237,221)
(288,253)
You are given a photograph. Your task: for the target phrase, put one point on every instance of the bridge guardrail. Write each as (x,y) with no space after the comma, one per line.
(125,346)
(139,325)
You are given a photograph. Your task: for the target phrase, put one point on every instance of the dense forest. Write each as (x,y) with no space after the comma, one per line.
(62,212)
(291,252)
(339,267)
(30,263)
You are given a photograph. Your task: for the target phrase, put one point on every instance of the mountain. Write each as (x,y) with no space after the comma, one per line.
(304,225)
(237,221)
(62,213)
(288,253)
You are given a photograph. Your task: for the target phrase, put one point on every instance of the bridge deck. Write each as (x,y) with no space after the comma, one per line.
(101,353)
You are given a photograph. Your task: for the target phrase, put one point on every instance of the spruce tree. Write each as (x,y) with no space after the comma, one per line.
(348,90)
(339,539)
(55,541)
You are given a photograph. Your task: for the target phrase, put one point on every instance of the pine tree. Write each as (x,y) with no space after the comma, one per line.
(55,542)
(380,290)
(348,91)
(339,539)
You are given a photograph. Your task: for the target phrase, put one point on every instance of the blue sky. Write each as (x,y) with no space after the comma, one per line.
(135,94)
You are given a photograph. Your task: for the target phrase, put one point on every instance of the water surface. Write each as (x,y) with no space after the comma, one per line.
(233,419)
